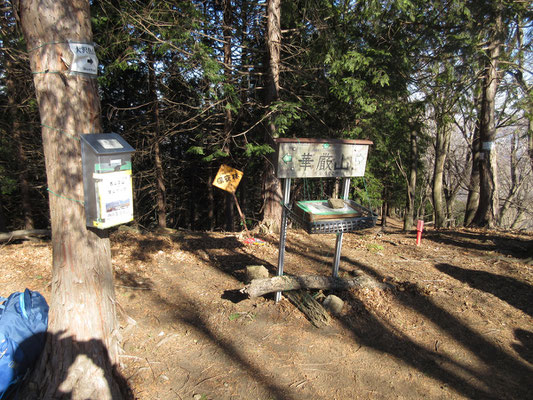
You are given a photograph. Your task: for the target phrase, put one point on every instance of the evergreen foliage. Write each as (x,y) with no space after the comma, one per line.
(375,70)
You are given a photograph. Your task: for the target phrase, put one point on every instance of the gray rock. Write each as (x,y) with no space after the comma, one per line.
(256,272)
(333,304)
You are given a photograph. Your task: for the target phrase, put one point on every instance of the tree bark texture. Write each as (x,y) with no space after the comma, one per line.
(82,347)
(260,287)
(530,136)
(526,90)
(385,207)
(473,187)
(307,304)
(411,184)
(272,192)
(487,212)
(515,183)
(441,152)
(158,164)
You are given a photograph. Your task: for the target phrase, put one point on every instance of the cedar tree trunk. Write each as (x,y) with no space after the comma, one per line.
(487,212)
(473,187)
(82,347)
(271,184)
(411,184)
(161,190)
(441,151)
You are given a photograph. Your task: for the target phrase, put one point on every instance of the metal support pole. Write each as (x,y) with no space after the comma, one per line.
(338,244)
(283,229)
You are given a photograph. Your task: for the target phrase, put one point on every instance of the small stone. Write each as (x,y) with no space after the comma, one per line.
(336,203)
(333,304)
(256,272)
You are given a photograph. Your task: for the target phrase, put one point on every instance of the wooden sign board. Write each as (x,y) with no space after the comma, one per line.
(227,178)
(321,158)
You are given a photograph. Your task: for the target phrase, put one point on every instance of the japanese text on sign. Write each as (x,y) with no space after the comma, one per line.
(227,178)
(115,197)
(316,160)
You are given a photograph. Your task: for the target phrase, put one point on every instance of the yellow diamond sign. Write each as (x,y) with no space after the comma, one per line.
(227,178)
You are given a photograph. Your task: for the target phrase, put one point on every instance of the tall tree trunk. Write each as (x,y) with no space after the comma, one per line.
(517,219)
(526,89)
(385,207)
(426,190)
(271,185)
(159,174)
(82,351)
(529,116)
(450,201)
(515,182)
(473,187)
(441,151)
(487,212)
(229,205)
(411,184)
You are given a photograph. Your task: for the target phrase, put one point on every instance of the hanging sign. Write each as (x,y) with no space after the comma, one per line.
(321,158)
(84,60)
(227,178)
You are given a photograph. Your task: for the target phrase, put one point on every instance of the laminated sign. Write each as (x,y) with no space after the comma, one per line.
(114,198)
(84,59)
(227,178)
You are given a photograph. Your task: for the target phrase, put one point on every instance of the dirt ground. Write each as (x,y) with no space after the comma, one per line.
(456,322)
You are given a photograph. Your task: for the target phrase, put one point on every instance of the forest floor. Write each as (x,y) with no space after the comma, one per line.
(455,323)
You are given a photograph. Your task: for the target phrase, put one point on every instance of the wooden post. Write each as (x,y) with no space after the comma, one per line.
(241,214)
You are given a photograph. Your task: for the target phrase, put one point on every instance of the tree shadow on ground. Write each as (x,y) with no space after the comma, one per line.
(232,264)
(517,247)
(192,318)
(59,355)
(525,345)
(503,376)
(516,293)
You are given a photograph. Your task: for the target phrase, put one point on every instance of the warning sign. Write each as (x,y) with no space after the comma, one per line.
(227,178)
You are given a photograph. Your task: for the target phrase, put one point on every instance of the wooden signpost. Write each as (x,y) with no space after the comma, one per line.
(320,158)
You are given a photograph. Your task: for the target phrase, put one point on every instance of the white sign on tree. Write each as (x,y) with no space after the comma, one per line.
(84,60)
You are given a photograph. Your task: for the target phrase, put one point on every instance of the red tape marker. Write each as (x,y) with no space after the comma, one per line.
(419,229)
